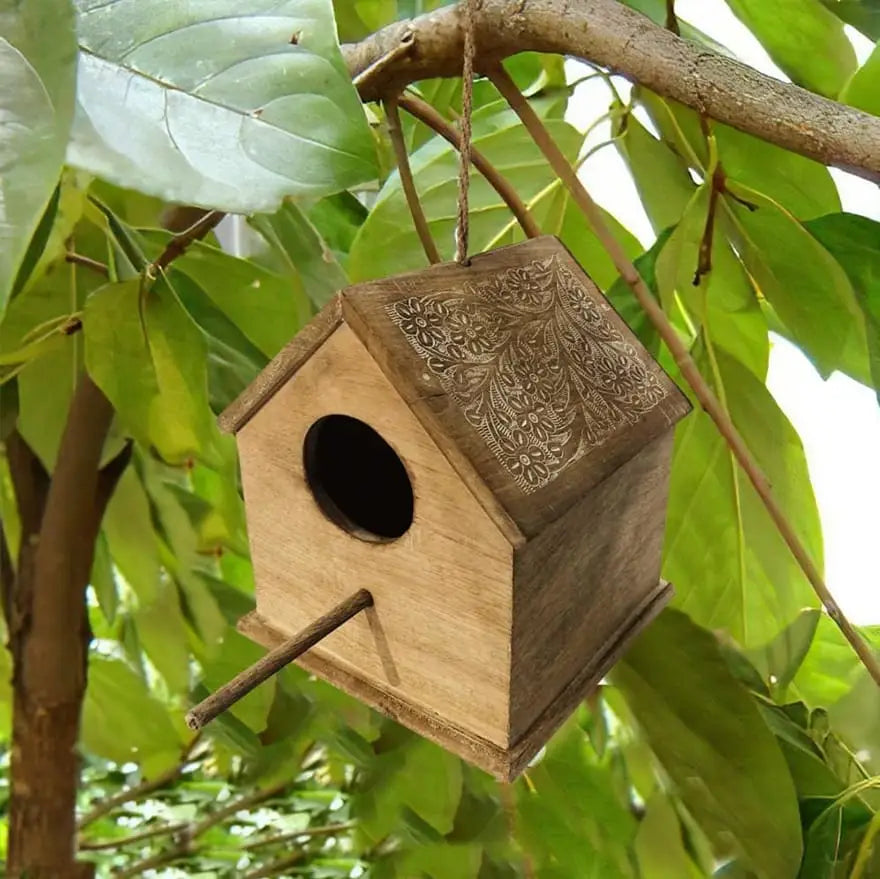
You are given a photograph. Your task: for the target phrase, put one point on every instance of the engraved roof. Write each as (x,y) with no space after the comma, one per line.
(519,367)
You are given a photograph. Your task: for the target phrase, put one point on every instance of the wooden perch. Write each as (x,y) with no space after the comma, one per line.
(222,699)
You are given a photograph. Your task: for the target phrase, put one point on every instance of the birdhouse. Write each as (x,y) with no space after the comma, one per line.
(485,450)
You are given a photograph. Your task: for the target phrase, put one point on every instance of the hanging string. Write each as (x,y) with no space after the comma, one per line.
(466,8)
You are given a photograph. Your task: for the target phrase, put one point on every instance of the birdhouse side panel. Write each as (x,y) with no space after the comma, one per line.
(584,581)
(438,636)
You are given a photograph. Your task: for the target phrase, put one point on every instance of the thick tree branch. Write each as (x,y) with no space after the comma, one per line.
(612,35)
(691,374)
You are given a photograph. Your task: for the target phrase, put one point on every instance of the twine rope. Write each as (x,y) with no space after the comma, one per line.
(464,156)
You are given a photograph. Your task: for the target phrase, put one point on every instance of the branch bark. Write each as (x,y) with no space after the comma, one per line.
(614,36)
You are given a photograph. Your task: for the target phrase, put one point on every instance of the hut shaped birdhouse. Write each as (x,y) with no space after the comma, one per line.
(485,448)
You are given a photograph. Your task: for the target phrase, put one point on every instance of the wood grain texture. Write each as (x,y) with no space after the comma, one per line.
(438,636)
(282,367)
(504,763)
(582,579)
(520,365)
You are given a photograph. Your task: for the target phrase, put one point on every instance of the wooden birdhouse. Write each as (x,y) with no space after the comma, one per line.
(484,449)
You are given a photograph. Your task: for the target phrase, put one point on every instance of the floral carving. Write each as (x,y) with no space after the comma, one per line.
(534,363)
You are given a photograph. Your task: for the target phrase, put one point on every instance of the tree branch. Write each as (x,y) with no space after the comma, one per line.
(407,183)
(305,833)
(424,112)
(612,35)
(178,245)
(105,844)
(273,868)
(683,359)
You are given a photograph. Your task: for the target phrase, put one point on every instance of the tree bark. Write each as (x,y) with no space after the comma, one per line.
(49,636)
(614,36)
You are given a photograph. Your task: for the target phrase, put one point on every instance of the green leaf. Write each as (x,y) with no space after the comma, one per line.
(713,744)
(103,580)
(128,528)
(661,177)
(38,72)
(729,565)
(864,15)
(719,300)
(660,845)
(45,385)
(854,242)
(149,358)
(806,286)
(803,187)
(267,308)
(121,719)
(803,38)
(218,105)
(302,250)
(780,660)
(162,634)
(387,243)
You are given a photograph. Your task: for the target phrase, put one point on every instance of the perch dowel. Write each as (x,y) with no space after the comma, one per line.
(222,699)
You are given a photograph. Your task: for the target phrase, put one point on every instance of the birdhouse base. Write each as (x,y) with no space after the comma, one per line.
(504,764)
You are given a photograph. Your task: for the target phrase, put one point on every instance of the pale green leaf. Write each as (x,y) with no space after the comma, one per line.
(660,846)
(310,262)
(38,72)
(854,241)
(709,737)
(864,15)
(729,565)
(719,300)
(122,721)
(806,286)
(803,38)
(216,104)
(162,634)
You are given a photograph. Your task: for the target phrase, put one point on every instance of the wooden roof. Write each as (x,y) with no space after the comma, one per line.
(517,366)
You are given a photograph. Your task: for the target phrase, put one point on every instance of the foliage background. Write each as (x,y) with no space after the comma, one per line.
(739,738)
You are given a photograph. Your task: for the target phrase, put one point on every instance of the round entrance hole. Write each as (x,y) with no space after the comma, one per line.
(357,479)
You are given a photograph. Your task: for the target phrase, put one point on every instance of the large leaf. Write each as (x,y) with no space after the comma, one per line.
(806,286)
(145,353)
(717,295)
(803,187)
(854,242)
(121,719)
(803,38)
(709,737)
(216,104)
(387,243)
(38,72)
(864,15)
(302,250)
(729,565)
(863,90)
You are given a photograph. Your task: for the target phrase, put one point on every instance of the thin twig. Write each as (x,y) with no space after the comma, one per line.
(189,833)
(425,113)
(689,371)
(407,183)
(326,830)
(160,859)
(105,844)
(178,245)
(704,260)
(140,790)
(83,260)
(273,868)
